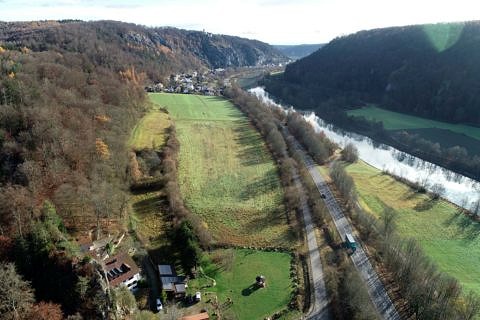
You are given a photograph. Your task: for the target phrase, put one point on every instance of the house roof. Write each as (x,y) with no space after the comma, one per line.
(180,288)
(120,268)
(168,283)
(200,316)
(165,270)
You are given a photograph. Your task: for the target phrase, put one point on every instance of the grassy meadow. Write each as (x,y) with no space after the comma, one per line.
(450,238)
(396,121)
(150,130)
(235,272)
(147,218)
(226,173)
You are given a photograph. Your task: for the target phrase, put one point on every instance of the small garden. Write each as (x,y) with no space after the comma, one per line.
(237,294)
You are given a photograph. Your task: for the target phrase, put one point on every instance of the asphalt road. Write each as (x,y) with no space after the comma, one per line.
(375,287)
(320,309)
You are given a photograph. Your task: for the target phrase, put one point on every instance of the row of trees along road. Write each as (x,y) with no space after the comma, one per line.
(429,293)
(268,122)
(347,291)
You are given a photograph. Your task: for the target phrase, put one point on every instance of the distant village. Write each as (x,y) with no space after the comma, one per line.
(208,83)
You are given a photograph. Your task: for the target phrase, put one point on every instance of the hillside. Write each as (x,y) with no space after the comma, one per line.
(431,71)
(70,94)
(298,51)
(156,51)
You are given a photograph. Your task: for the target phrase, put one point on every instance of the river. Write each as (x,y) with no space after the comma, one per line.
(459,189)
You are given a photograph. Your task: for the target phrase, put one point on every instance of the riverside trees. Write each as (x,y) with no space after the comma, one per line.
(430,293)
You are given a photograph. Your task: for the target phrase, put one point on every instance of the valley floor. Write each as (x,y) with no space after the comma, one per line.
(228,178)
(226,173)
(449,237)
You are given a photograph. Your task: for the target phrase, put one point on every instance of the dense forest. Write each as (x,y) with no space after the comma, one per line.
(156,51)
(70,93)
(298,51)
(430,71)
(426,70)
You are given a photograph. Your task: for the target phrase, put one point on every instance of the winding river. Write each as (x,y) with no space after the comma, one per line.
(459,189)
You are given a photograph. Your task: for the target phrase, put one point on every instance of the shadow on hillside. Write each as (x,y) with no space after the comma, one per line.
(149,205)
(252,152)
(261,222)
(266,184)
(467,228)
(409,195)
(425,204)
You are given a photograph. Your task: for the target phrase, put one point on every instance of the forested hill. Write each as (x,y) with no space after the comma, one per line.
(427,70)
(298,51)
(70,94)
(157,51)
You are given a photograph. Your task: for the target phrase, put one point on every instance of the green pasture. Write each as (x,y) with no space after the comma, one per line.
(396,121)
(226,174)
(448,237)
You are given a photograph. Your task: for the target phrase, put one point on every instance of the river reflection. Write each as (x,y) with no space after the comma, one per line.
(459,189)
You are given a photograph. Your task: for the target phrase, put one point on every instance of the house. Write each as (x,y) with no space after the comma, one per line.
(171,283)
(121,269)
(199,316)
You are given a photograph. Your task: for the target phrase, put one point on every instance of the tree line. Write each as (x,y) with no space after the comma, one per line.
(316,143)
(63,126)
(268,121)
(189,230)
(429,293)
(405,69)
(399,69)
(113,44)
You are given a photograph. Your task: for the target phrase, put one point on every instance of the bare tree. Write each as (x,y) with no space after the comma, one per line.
(350,153)
(388,218)
(16,295)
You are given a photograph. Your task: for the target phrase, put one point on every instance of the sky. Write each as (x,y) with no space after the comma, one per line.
(271,21)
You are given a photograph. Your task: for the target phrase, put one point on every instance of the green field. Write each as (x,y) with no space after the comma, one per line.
(150,130)
(235,279)
(396,121)
(148,220)
(226,174)
(448,139)
(450,238)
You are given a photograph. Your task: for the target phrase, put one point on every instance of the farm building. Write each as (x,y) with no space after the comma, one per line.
(171,283)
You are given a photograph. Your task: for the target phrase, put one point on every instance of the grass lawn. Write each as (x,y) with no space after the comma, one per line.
(451,239)
(148,219)
(150,130)
(448,139)
(226,174)
(235,277)
(396,121)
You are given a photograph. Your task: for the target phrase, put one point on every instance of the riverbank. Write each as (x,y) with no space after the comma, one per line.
(459,189)
(446,234)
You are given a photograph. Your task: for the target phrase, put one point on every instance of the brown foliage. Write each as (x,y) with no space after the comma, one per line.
(135,173)
(56,115)
(6,248)
(46,311)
